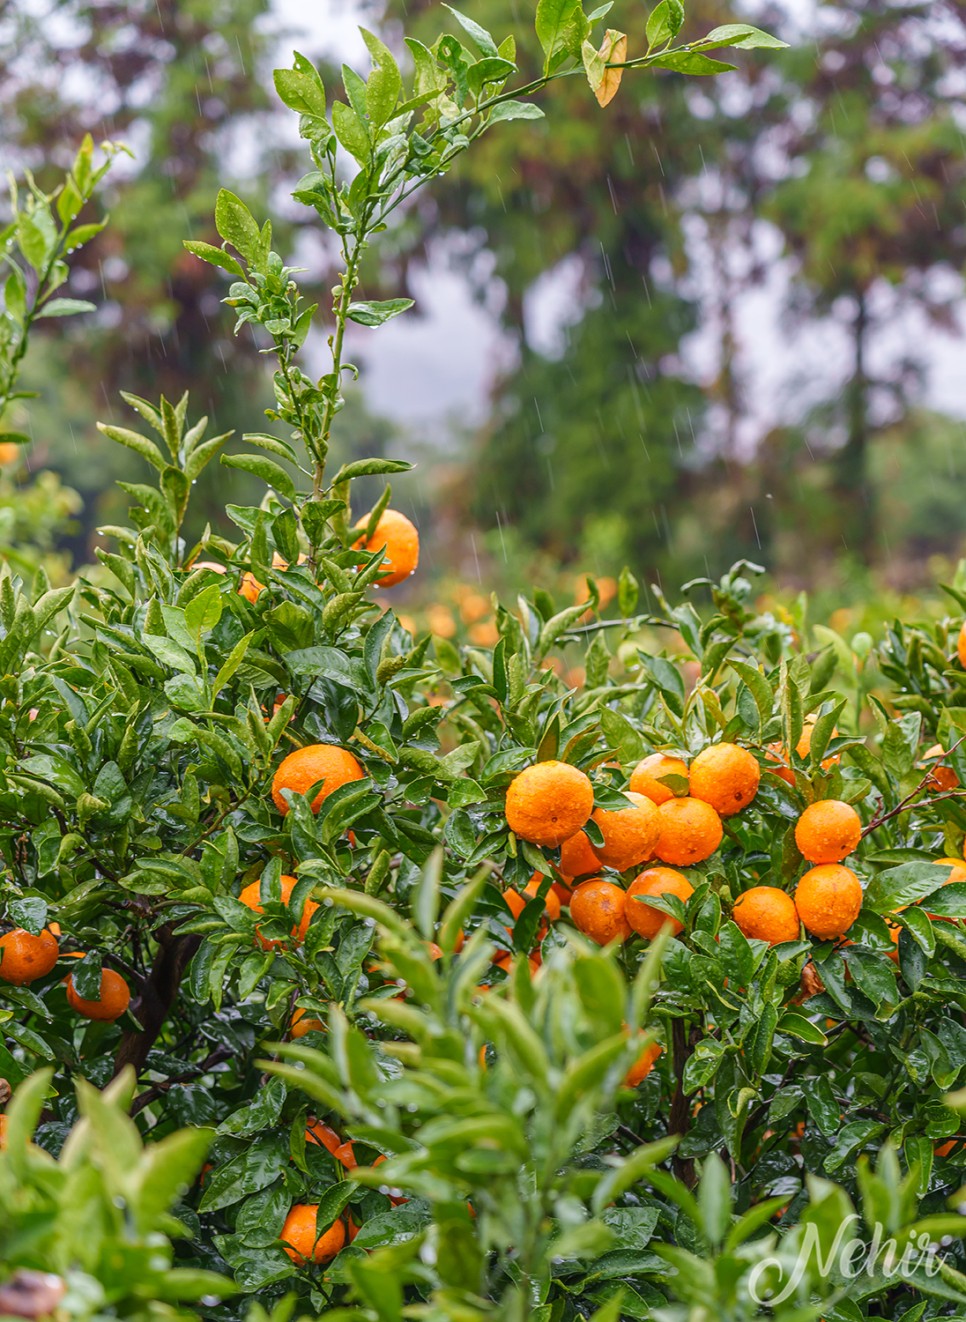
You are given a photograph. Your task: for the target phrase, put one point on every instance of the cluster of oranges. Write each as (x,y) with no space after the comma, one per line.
(25,957)
(394,534)
(550,804)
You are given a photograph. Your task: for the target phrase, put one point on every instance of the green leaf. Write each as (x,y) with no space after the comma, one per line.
(136,442)
(273,474)
(370,468)
(215,256)
(237,226)
(796,1025)
(376,314)
(486,43)
(906,884)
(552,20)
(507,110)
(692,63)
(664,23)
(351,132)
(384,85)
(258,1166)
(301,90)
(743,37)
(66,307)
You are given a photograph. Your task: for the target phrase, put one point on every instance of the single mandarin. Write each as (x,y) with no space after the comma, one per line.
(302,1024)
(944,1149)
(516,902)
(647,776)
(690,831)
(249,587)
(562,892)
(828,899)
(9,452)
(642,1067)
(577,857)
(941,777)
(828,831)
(597,910)
(630,834)
(321,1134)
(301,1240)
(765,913)
(778,753)
(726,777)
(305,767)
(549,802)
(655,883)
(961,645)
(114,999)
(25,957)
(251,897)
(506,961)
(399,538)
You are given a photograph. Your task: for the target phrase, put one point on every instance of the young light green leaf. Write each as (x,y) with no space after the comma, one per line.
(376,314)
(664,23)
(483,39)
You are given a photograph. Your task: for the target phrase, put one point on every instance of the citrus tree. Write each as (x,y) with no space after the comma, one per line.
(418,980)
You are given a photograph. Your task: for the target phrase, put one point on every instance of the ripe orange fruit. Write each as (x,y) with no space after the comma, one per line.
(9,452)
(642,1067)
(944,1149)
(505,962)
(114,999)
(301,1240)
(298,772)
(646,777)
(549,802)
(690,832)
(766,913)
(828,899)
(655,882)
(577,857)
(630,834)
(398,536)
(725,776)
(827,831)
(25,957)
(941,778)
(597,910)
(252,899)
(301,1025)
(778,753)
(326,1137)
(562,892)
(516,902)
(961,645)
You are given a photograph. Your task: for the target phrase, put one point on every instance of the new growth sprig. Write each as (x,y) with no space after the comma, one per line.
(371,151)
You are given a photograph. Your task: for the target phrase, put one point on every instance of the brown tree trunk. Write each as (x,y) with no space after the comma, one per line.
(157,996)
(853,483)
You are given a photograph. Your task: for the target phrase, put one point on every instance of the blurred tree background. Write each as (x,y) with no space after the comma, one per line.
(726,312)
